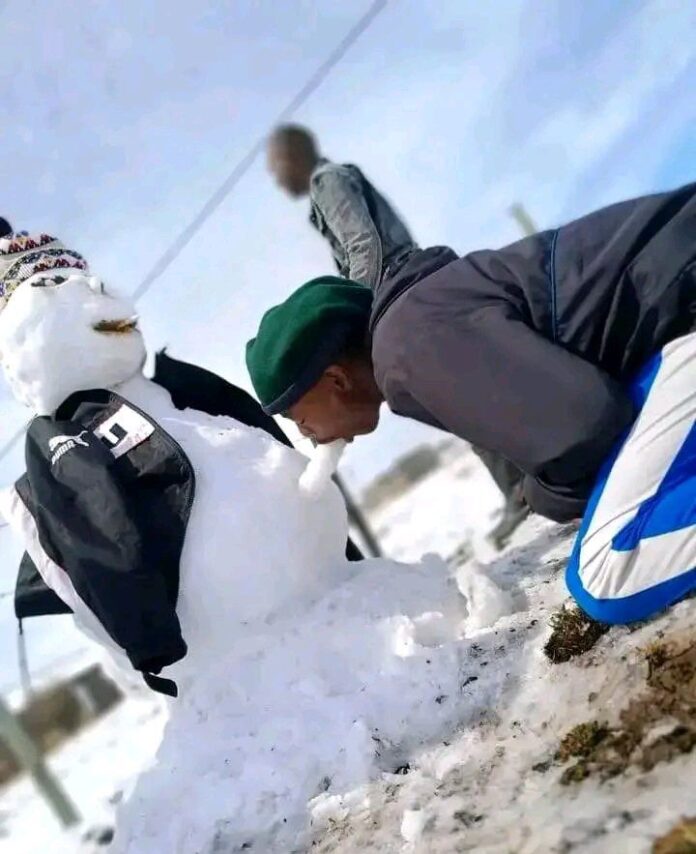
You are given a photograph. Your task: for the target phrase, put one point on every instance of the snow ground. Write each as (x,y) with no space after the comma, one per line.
(493,787)
(456,504)
(94,768)
(478,790)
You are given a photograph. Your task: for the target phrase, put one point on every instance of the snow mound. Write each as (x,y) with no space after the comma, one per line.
(487,602)
(320,701)
(306,674)
(498,783)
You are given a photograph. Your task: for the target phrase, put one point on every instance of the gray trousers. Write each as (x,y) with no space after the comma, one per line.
(507,476)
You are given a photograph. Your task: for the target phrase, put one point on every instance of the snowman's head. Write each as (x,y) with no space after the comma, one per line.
(60,330)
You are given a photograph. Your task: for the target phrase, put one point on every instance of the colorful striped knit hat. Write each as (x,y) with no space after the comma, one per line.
(24,255)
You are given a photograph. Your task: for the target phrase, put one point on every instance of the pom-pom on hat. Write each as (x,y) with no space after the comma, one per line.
(23,256)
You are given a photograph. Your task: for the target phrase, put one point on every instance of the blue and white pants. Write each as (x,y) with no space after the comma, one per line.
(635,553)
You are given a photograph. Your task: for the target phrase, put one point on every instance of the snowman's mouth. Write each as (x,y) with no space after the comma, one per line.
(117,327)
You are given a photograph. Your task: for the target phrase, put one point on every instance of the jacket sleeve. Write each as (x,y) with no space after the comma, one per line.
(342,204)
(490,379)
(85,525)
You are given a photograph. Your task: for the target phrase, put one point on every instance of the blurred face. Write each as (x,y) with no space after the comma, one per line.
(344,404)
(291,167)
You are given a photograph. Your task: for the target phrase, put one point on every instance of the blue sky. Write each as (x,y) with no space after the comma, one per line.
(119,119)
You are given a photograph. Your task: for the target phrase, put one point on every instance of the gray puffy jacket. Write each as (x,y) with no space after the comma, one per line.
(366,235)
(527,351)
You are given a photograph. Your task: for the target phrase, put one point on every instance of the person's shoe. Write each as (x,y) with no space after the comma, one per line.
(514,513)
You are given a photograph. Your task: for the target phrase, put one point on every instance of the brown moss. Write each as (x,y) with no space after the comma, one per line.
(575,774)
(581,740)
(572,633)
(680,840)
(657,726)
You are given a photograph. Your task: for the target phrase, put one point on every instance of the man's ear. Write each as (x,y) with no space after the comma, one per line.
(339,378)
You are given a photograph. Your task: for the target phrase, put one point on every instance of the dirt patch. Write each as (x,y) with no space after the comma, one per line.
(680,840)
(572,633)
(467,818)
(657,726)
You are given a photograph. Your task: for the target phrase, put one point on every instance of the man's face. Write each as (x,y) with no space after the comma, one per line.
(339,406)
(290,168)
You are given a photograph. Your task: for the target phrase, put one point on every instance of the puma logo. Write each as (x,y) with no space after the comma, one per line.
(60,445)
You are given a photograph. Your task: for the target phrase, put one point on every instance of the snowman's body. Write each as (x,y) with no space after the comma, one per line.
(304,672)
(236,567)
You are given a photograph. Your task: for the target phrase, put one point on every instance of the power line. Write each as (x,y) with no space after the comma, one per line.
(242,167)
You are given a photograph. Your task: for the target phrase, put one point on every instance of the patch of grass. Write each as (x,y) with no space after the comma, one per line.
(576,773)
(581,740)
(572,633)
(680,840)
(657,726)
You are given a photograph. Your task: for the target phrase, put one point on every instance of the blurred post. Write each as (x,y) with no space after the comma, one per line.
(358,520)
(519,213)
(29,758)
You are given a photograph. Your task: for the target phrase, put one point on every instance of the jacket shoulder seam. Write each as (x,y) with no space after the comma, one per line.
(552,287)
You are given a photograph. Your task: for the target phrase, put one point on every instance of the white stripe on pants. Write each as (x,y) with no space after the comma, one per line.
(636,550)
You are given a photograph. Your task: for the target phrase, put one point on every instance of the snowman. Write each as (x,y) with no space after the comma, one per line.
(209,559)
(63,334)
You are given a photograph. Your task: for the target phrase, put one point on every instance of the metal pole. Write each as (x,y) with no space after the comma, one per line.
(358,520)
(519,213)
(29,758)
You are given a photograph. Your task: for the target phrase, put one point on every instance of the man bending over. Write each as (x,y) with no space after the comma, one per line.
(571,353)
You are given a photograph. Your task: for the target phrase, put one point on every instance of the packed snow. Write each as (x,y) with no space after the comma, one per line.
(493,785)
(458,505)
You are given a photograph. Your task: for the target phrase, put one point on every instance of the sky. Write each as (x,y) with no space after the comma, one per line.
(120,119)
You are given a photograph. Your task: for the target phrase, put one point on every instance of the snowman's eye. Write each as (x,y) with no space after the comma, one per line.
(49,282)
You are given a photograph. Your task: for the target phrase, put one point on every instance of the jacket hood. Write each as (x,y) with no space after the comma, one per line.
(418,265)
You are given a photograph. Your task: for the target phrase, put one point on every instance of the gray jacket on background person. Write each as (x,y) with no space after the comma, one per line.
(366,235)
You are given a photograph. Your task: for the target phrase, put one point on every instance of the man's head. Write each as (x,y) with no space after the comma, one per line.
(292,156)
(5,227)
(310,361)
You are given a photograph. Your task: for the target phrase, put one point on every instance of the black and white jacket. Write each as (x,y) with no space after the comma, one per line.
(104,506)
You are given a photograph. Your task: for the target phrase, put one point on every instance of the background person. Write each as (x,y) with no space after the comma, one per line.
(366,235)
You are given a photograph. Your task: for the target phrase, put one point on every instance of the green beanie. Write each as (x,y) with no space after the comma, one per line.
(298,339)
